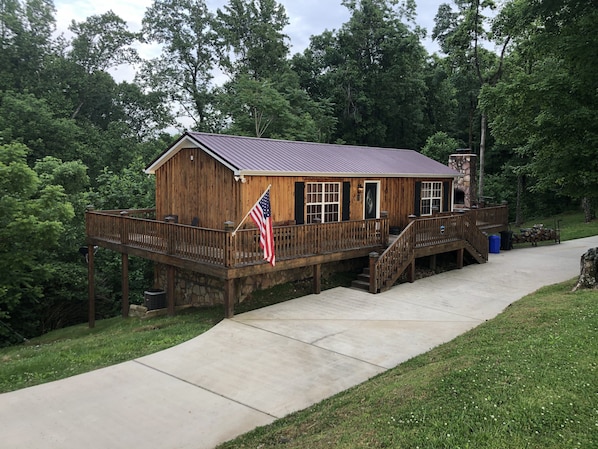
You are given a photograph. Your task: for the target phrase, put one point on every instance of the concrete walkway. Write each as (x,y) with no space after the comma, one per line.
(264,364)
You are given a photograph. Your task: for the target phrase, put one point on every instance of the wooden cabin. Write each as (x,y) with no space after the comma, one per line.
(329,204)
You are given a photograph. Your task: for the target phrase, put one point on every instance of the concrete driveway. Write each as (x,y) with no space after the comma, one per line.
(262,365)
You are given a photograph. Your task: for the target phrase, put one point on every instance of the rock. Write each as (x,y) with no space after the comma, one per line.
(588,277)
(136,310)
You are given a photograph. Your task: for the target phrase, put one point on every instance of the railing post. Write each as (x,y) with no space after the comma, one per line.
(124,234)
(229,227)
(170,242)
(373,277)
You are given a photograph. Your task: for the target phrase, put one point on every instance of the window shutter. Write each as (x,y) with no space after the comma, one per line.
(418,197)
(299,203)
(346,201)
(446,198)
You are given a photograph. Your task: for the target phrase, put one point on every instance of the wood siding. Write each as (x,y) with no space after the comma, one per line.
(193,184)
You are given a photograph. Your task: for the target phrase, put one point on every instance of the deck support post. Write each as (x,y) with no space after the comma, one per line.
(91,296)
(170,289)
(372,269)
(317,278)
(460,258)
(411,272)
(229,298)
(125,284)
(433,262)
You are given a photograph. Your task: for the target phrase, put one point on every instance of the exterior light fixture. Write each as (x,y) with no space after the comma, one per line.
(359,191)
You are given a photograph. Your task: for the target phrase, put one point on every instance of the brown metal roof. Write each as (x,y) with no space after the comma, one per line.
(254,156)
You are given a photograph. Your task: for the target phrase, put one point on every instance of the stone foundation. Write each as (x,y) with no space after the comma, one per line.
(199,290)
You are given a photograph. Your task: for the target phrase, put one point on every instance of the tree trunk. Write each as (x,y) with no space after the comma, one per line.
(482,151)
(588,277)
(586,204)
(518,213)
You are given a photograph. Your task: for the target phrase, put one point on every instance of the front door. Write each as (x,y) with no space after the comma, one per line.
(371,201)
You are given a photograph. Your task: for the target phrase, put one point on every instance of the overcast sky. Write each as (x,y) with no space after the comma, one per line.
(307,17)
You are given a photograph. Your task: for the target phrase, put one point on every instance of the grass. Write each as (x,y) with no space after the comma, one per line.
(526,379)
(78,349)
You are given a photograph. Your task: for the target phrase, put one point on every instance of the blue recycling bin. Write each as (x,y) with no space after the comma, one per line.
(494,242)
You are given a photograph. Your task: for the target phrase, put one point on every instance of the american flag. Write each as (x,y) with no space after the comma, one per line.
(262,217)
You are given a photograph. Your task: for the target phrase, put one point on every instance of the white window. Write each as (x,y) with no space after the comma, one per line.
(323,202)
(431,198)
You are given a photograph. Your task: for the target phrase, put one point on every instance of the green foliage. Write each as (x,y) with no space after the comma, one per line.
(371,70)
(102,42)
(31,222)
(185,29)
(51,135)
(440,146)
(253,31)
(546,109)
(129,189)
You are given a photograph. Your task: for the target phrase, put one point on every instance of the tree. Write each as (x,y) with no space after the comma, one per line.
(184,70)
(547,109)
(252,31)
(32,219)
(372,71)
(440,146)
(102,42)
(25,41)
(461,35)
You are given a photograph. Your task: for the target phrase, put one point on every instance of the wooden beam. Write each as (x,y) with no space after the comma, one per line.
(229,298)
(460,258)
(170,289)
(125,284)
(433,262)
(372,268)
(411,272)
(91,288)
(317,279)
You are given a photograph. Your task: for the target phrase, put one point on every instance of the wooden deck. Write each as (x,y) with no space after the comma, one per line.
(228,256)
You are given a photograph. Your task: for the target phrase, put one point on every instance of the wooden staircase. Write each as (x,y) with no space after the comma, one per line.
(423,237)
(363,280)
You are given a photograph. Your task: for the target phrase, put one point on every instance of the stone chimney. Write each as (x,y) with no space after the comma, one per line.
(464,187)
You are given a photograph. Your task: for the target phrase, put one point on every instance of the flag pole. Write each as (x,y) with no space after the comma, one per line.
(247,214)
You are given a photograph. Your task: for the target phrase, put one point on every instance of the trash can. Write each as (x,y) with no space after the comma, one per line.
(506,240)
(494,242)
(155,299)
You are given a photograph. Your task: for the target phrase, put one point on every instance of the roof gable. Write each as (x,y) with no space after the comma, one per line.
(247,156)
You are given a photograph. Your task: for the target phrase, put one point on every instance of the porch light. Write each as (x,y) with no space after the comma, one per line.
(359,191)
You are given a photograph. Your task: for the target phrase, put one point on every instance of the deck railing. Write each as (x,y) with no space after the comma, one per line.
(220,247)
(490,216)
(425,233)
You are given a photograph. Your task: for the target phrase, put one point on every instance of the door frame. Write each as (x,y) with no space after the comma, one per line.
(377,205)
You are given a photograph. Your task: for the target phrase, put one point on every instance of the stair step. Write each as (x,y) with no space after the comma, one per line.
(361,285)
(363,277)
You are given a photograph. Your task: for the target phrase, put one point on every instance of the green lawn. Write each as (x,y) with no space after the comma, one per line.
(526,379)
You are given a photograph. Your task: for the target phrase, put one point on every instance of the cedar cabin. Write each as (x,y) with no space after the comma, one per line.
(380,208)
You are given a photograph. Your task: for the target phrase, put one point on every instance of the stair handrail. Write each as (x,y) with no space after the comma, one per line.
(389,265)
(474,236)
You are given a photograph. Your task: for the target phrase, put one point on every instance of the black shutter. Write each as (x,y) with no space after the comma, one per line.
(418,198)
(346,200)
(299,203)
(446,198)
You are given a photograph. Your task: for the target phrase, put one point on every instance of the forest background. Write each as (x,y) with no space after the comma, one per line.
(515,82)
